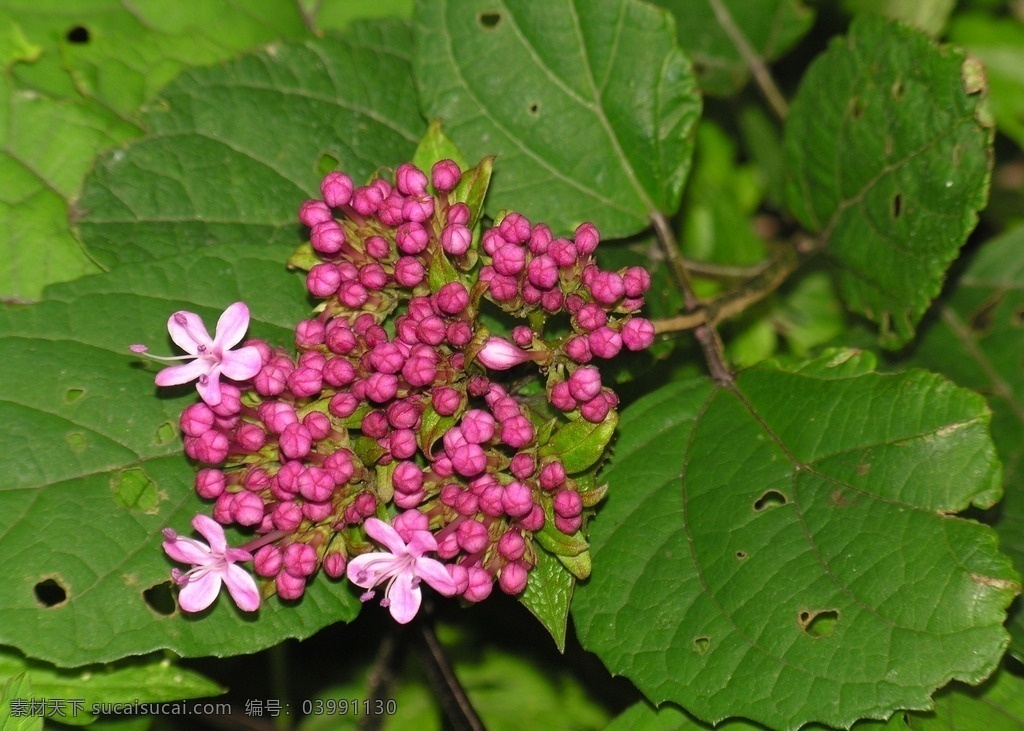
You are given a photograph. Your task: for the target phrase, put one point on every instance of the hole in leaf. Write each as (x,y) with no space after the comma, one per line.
(771,499)
(856,108)
(49,593)
(489,20)
(534,108)
(78,34)
(818,624)
(159,598)
(702,644)
(76,440)
(898,89)
(135,490)
(326,163)
(741,555)
(897,205)
(73,394)
(165,433)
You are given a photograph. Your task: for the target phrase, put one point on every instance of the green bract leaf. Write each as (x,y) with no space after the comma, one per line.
(785,549)
(548,594)
(233,150)
(15,716)
(889,153)
(95,470)
(594,125)
(978,341)
(581,443)
(769,27)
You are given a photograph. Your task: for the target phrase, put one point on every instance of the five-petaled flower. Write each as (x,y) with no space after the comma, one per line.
(211,357)
(211,565)
(402,566)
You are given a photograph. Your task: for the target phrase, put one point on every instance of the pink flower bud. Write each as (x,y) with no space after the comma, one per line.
(411,238)
(390,210)
(638,333)
(335,564)
(459,333)
(247,508)
(590,317)
(540,239)
(352,294)
(378,247)
(466,504)
(387,358)
(531,295)
(295,441)
(309,334)
(445,175)
(374,424)
(522,335)
(586,238)
(636,280)
(585,383)
(472,536)
(491,241)
(513,578)
(605,342)
(289,587)
(300,559)
(409,500)
(499,354)
(503,288)
(452,298)
(336,188)
(517,500)
(479,586)
(286,516)
(511,546)
(607,287)
(419,371)
(365,200)
(407,477)
(267,561)
(456,239)
(365,504)
(596,410)
(523,465)
(445,400)
(196,419)
(210,447)
(257,479)
(459,215)
(534,520)
(316,511)
(552,475)
(515,228)
(305,382)
(250,437)
(552,301)
(509,260)
(542,272)
(418,208)
(338,372)
(561,398)
(316,484)
(477,426)
(568,525)
(340,466)
(568,503)
(287,477)
(210,483)
(373,277)
(430,330)
(402,443)
(410,180)
(578,349)
(271,380)
(409,522)
(381,387)
(408,271)
(489,500)
(469,460)
(503,407)
(448,546)
(313,212)
(404,414)
(517,432)
(343,405)
(563,252)
(327,237)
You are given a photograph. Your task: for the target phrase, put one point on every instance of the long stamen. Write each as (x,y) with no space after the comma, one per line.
(142,350)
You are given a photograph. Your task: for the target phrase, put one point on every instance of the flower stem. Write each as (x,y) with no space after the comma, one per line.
(383,676)
(447,688)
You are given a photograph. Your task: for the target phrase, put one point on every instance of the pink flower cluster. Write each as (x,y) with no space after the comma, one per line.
(398,396)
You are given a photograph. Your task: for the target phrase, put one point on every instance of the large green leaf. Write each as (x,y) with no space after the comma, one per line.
(996,704)
(94,468)
(978,341)
(595,124)
(785,549)
(234,149)
(889,146)
(769,27)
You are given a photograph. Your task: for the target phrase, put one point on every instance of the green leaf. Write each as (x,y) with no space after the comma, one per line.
(770,28)
(978,341)
(547,595)
(95,469)
(999,44)
(780,545)
(997,703)
(643,717)
(151,680)
(15,694)
(889,152)
(580,444)
(233,150)
(930,16)
(436,146)
(609,69)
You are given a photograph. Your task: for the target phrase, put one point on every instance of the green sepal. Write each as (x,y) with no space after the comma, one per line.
(303,258)
(579,566)
(581,444)
(432,427)
(472,189)
(436,146)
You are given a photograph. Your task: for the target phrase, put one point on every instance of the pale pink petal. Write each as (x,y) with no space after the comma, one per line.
(404,597)
(435,574)
(209,387)
(187,550)
(499,354)
(242,588)
(383,533)
(190,334)
(176,375)
(372,567)
(241,364)
(200,591)
(231,326)
(421,542)
(212,531)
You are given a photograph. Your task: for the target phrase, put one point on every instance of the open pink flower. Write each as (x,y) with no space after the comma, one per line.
(211,565)
(402,566)
(211,357)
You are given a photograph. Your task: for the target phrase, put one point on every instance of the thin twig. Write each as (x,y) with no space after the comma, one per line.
(446,685)
(380,685)
(762,77)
